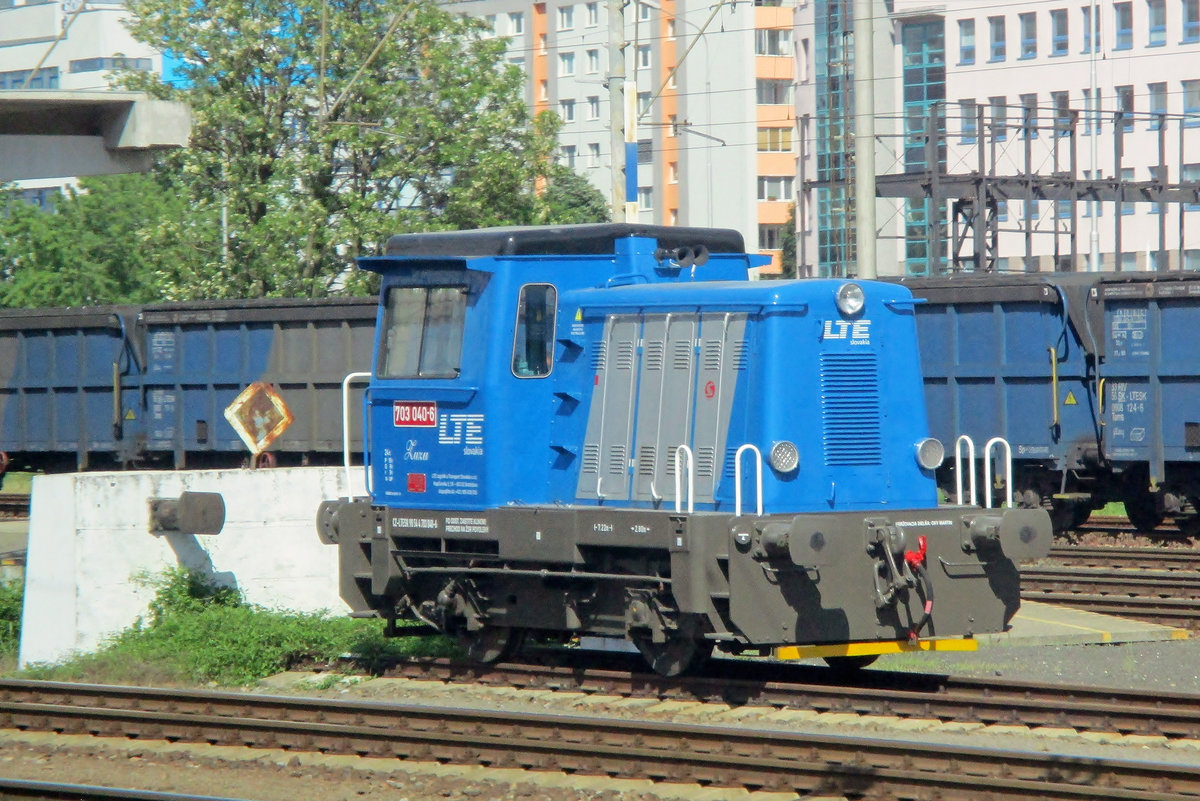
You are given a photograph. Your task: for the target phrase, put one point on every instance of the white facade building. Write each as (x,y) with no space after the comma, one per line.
(1012,78)
(715,102)
(74,46)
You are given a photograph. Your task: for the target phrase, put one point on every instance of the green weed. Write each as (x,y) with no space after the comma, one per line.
(199,632)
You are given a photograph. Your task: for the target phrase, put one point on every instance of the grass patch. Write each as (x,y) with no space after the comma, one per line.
(202,633)
(17,482)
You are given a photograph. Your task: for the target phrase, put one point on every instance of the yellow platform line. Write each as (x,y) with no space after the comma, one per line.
(790,652)
(1105,634)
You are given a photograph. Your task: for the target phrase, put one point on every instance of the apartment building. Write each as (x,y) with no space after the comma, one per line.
(716,137)
(70,45)
(1105,91)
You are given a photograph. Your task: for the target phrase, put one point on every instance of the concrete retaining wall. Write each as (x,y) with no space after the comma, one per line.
(90,549)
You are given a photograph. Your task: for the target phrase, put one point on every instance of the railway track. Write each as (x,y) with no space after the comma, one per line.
(865,767)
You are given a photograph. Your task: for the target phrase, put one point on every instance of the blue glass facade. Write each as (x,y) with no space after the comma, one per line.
(834,58)
(924,86)
(924,54)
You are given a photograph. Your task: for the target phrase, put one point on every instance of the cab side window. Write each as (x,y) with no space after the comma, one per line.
(533,342)
(423,332)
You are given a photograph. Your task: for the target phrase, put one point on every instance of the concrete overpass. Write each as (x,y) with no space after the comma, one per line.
(60,134)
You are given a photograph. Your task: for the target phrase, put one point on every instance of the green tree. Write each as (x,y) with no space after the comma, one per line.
(320,128)
(787,242)
(96,248)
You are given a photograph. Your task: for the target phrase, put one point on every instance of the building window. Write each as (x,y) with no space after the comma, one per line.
(1123,18)
(998,111)
(1002,211)
(804,61)
(643,11)
(775,187)
(1059,35)
(770,237)
(566,110)
(1028,35)
(566,18)
(773,42)
(516,23)
(593,107)
(645,197)
(98,64)
(1190,174)
(1191,259)
(774,140)
(543,90)
(566,64)
(1062,209)
(1191,20)
(568,156)
(1128,262)
(999,44)
(673,172)
(1158,105)
(645,151)
(593,154)
(1156,19)
(1191,103)
(44,79)
(593,61)
(643,102)
(1062,113)
(1091,31)
(593,14)
(773,92)
(1125,107)
(966,41)
(1029,116)
(1089,112)
(969,129)
(643,57)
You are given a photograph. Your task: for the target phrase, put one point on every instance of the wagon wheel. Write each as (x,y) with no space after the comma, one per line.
(1143,511)
(491,643)
(675,656)
(849,664)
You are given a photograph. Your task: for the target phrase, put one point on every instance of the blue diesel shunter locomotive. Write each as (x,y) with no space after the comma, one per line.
(609,430)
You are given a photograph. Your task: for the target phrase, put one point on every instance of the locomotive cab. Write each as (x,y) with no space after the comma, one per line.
(608,430)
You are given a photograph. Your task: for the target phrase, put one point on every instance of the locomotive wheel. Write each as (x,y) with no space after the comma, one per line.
(491,643)
(675,656)
(849,664)
(1143,512)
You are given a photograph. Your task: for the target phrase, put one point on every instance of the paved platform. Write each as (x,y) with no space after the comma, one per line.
(13,535)
(1046,624)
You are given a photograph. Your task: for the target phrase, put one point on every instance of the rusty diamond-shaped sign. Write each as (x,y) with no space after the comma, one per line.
(259,416)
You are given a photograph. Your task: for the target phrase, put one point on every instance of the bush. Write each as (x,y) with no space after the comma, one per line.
(200,632)
(11,597)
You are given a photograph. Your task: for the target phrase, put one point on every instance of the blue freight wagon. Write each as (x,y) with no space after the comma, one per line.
(1092,379)
(147,385)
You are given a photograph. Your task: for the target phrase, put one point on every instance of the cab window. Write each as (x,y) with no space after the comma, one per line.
(423,332)
(533,342)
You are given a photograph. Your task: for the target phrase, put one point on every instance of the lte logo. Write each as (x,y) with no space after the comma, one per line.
(858,331)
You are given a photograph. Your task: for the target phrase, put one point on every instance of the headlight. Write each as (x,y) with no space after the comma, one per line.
(930,453)
(850,299)
(784,457)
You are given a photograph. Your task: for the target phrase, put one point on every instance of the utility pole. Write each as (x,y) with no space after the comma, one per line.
(864,138)
(1094,239)
(616,104)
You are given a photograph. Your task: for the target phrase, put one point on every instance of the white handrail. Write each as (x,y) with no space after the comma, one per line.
(737,479)
(987,469)
(958,443)
(346,428)
(686,451)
